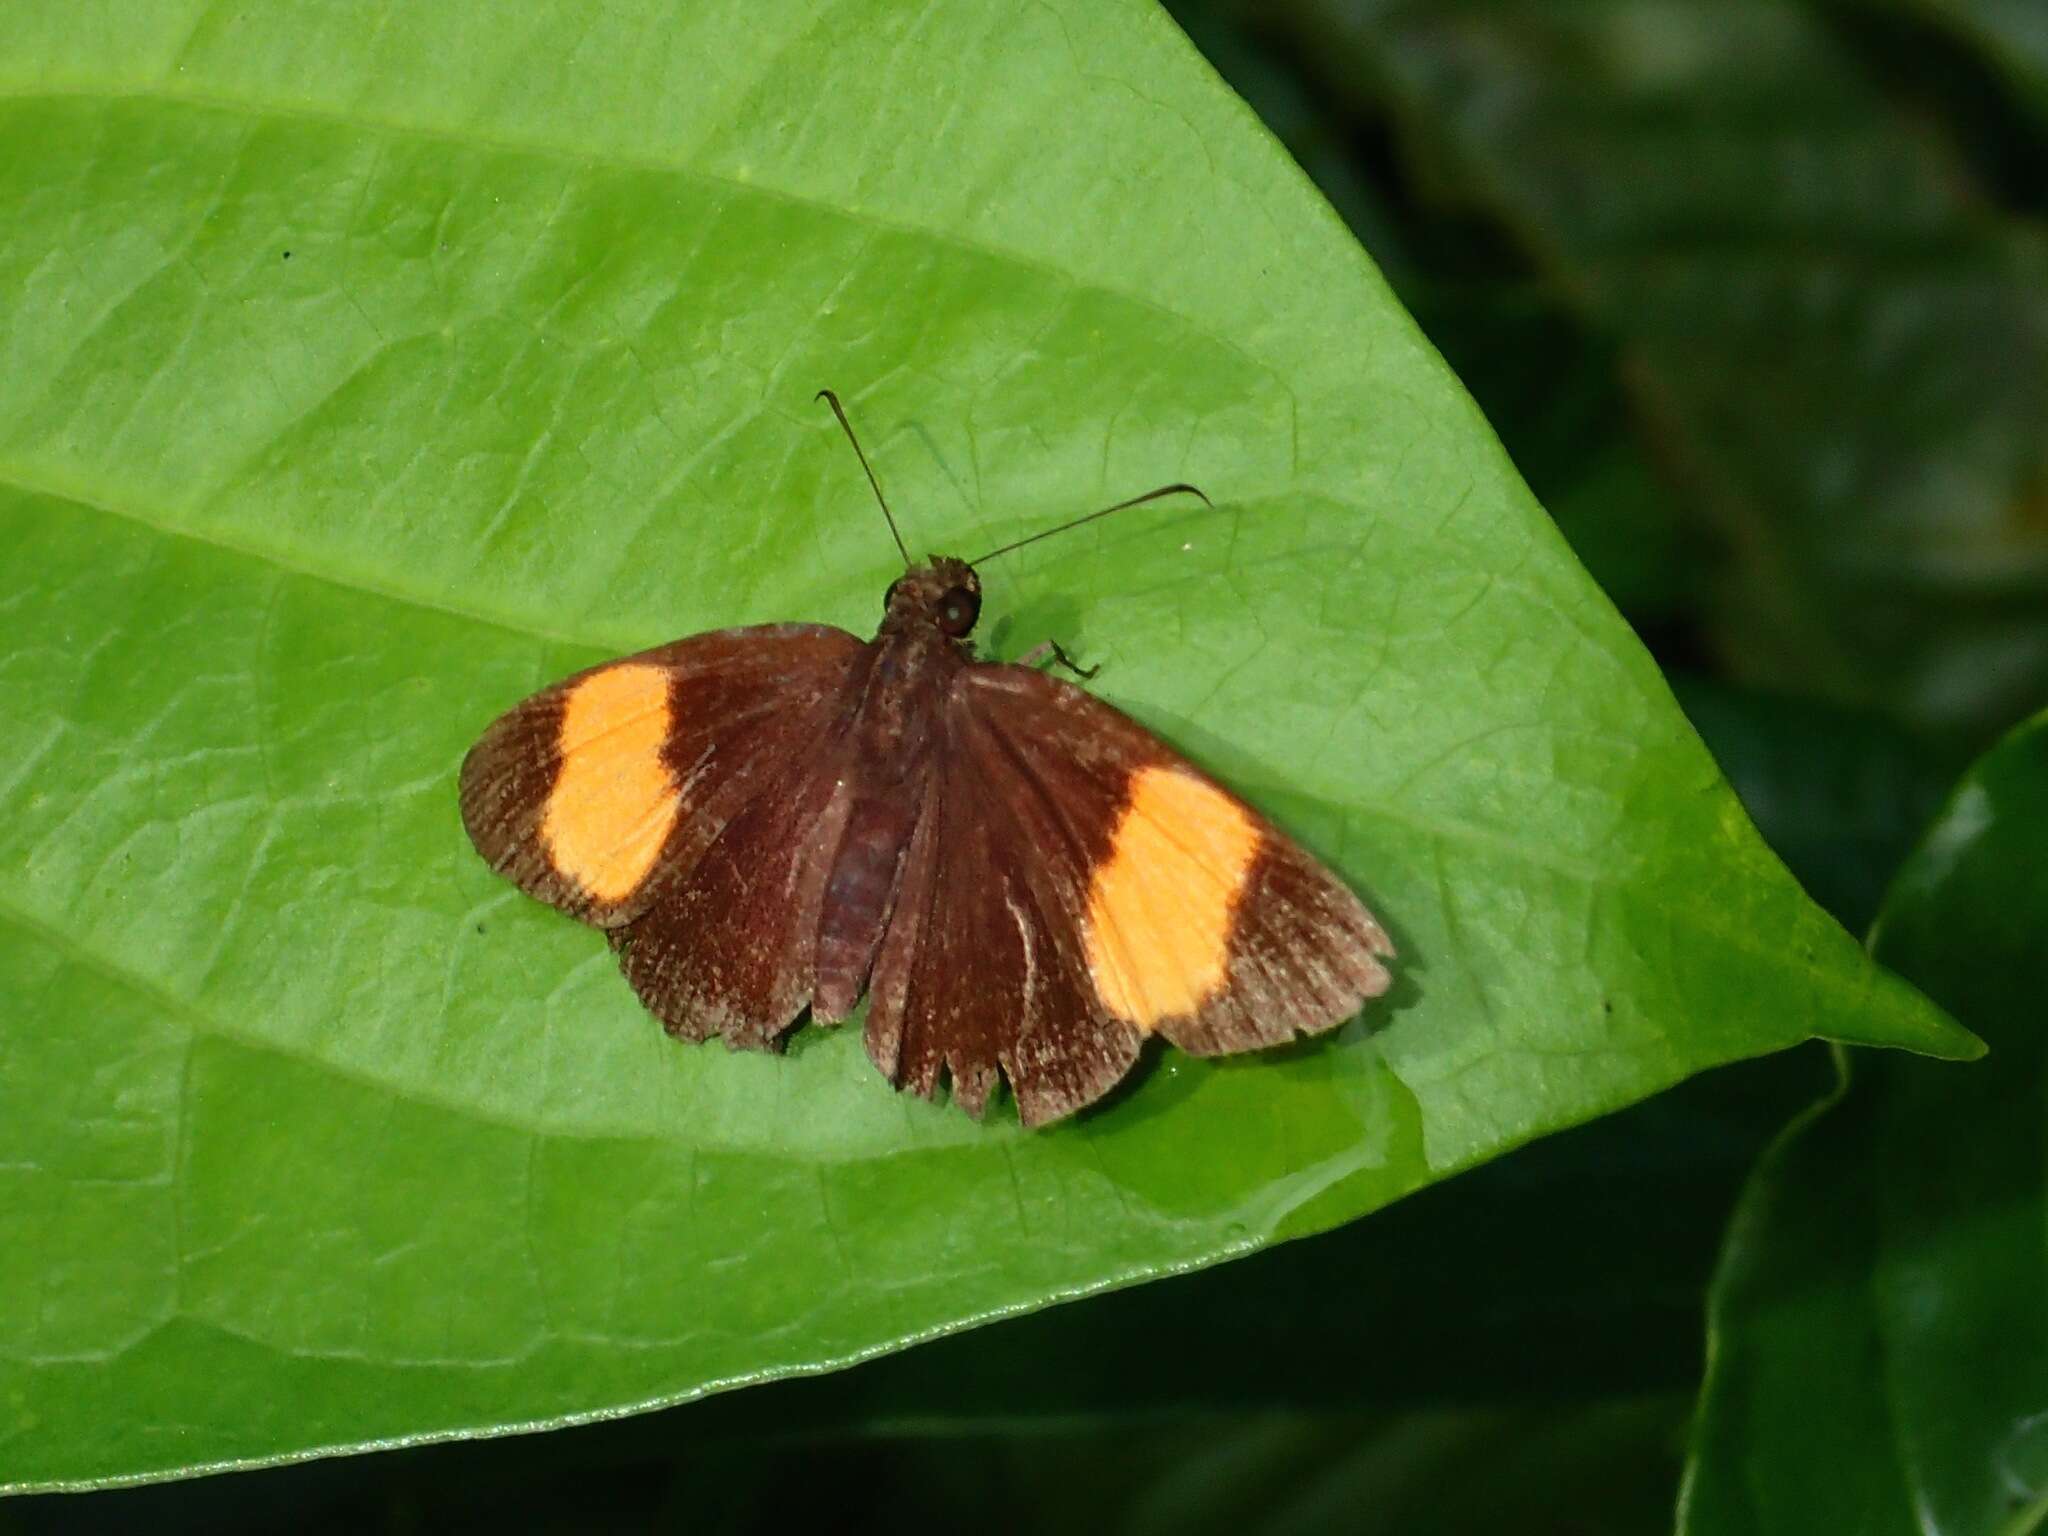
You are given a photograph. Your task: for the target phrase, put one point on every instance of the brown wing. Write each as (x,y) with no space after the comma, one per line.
(980,969)
(594,793)
(1074,886)
(728,945)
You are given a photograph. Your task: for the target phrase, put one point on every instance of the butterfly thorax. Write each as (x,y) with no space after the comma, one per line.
(903,679)
(899,687)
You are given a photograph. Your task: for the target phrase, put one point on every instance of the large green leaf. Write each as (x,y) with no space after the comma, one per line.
(354,380)
(1576,1320)
(1880,1346)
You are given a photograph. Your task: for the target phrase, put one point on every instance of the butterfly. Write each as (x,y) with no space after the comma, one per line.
(1025,883)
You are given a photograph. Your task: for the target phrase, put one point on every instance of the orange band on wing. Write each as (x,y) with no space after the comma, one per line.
(1159,908)
(614,801)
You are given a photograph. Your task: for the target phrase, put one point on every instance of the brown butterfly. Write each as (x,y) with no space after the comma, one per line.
(1026,882)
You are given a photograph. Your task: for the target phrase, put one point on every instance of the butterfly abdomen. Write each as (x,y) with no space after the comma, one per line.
(906,675)
(858,896)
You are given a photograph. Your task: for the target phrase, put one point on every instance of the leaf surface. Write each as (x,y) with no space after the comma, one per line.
(356,381)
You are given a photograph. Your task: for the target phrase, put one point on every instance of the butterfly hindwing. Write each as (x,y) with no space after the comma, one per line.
(727,946)
(979,971)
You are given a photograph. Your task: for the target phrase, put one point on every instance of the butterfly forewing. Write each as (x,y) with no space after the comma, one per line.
(593,793)
(1200,920)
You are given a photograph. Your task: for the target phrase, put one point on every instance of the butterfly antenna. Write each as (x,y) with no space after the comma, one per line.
(1046,533)
(846,426)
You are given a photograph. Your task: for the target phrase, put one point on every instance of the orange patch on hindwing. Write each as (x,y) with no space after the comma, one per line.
(614,801)
(1160,906)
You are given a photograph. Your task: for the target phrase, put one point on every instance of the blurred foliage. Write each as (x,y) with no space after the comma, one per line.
(2011,36)
(1595,1469)
(1797,248)
(1880,1357)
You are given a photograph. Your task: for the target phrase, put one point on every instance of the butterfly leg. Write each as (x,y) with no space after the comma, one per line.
(1036,654)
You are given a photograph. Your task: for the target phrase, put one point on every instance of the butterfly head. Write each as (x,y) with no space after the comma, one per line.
(943,592)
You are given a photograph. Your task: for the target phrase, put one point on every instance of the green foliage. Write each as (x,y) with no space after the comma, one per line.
(1880,1350)
(356,380)
(2012,36)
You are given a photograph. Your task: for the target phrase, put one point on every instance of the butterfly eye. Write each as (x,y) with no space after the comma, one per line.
(958,610)
(889,596)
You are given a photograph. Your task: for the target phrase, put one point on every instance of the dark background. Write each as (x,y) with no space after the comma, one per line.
(1754,294)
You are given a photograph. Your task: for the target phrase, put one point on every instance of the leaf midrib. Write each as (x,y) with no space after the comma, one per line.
(619,160)
(1853,986)
(195,1020)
